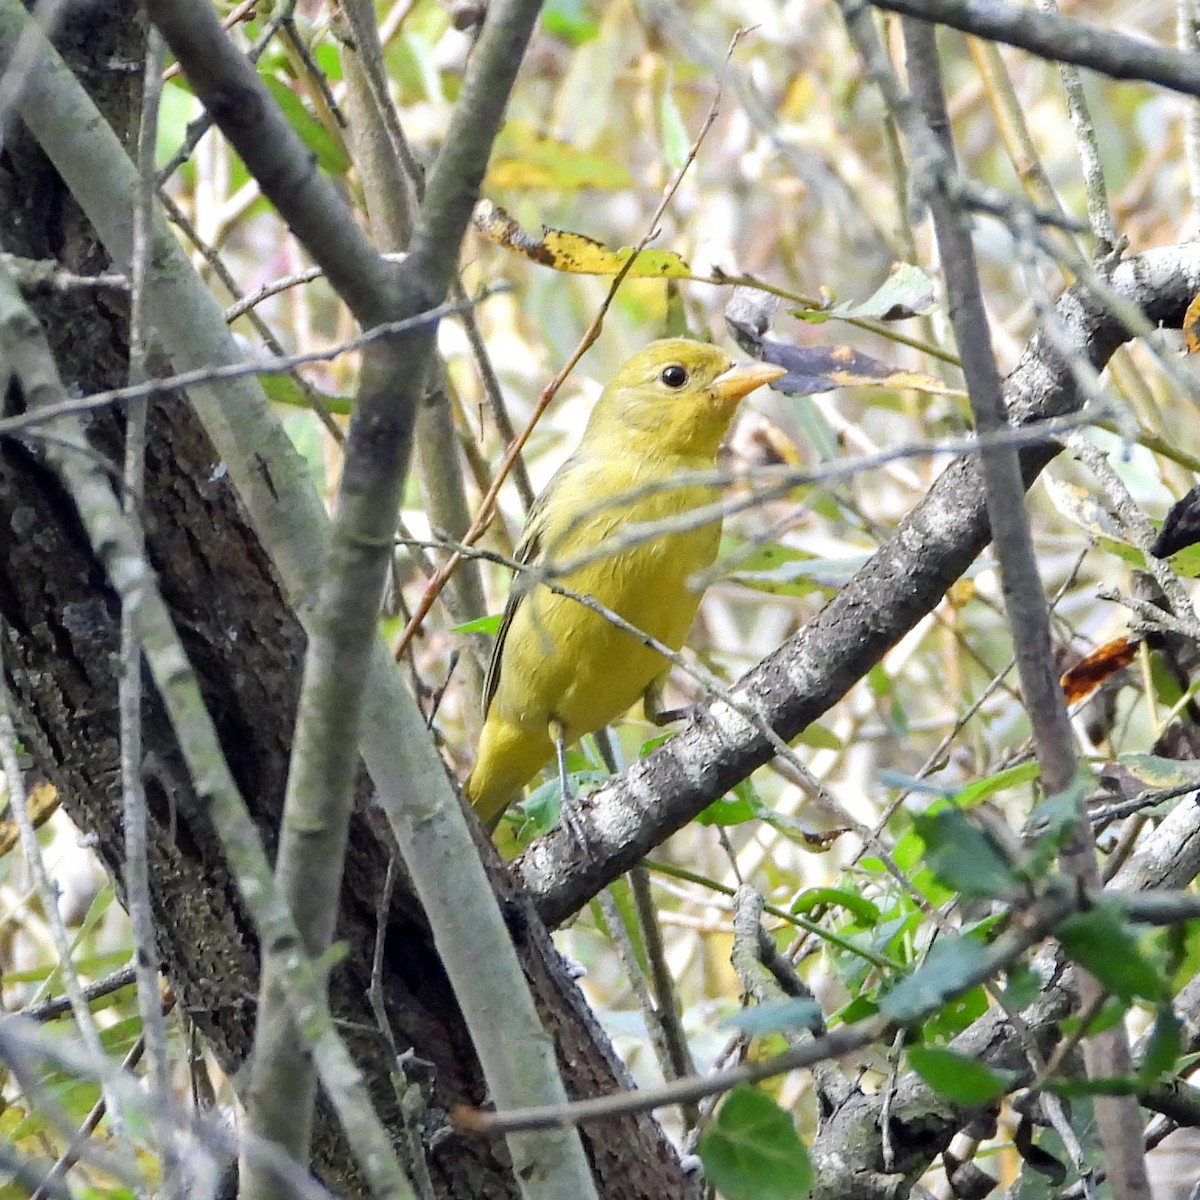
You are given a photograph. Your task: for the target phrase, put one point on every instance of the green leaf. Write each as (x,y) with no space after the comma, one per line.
(785,571)
(1054,817)
(931,888)
(907,292)
(331,158)
(541,807)
(817,737)
(906,853)
(1166,687)
(91,964)
(951,966)
(1101,940)
(962,1080)
(1128,554)
(795,829)
(569,20)
(878,681)
(486,624)
(981,789)
(866,913)
(280,388)
(1186,562)
(858,1009)
(776,1016)
(328,60)
(1162,1047)
(888,936)
(955,1015)
(177,108)
(1157,772)
(735,808)
(653,743)
(752,1152)
(119,1037)
(962,856)
(1054,821)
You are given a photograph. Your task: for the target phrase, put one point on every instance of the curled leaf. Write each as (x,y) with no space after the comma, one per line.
(1091,671)
(813,369)
(751,1150)
(574,253)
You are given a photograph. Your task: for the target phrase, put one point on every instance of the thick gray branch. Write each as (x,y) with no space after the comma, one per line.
(903,582)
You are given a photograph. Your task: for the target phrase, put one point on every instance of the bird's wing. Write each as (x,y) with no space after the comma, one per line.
(529,550)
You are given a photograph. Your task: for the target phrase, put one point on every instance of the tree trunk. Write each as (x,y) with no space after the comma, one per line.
(61,637)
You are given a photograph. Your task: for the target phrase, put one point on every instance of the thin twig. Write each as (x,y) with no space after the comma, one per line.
(47,894)
(666,1005)
(59,1006)
(1099,214)
(244,370)
(130,685)
(1036,923)
(487,506)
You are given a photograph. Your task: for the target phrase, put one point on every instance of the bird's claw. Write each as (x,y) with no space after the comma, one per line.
(569,818)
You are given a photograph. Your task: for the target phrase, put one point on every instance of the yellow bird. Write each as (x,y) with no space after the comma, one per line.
(560,670)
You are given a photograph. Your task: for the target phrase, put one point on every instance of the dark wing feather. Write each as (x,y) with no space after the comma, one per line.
(528,550)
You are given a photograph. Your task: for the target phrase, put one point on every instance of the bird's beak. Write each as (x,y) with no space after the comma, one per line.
(742,378)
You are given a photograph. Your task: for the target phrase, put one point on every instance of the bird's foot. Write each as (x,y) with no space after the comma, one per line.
(668,716)
(570,818)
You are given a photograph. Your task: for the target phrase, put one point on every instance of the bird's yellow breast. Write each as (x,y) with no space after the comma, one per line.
(581,669)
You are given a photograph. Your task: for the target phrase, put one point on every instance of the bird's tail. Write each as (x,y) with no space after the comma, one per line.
(508,758)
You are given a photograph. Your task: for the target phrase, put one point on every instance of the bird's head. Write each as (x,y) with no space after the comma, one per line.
(679,394)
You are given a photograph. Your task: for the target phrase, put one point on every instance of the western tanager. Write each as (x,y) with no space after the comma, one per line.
(560,670)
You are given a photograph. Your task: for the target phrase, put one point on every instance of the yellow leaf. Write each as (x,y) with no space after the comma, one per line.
(961,593)
(525,158)
(42,802)
(574,253)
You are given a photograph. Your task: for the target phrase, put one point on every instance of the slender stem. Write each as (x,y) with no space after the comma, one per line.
(1107,1054)
(130,685)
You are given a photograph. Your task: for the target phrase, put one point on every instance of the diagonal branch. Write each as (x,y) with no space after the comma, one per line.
(1059,39)
(903,581)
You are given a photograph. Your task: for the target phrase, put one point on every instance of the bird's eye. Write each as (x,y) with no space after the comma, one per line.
(674,376)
